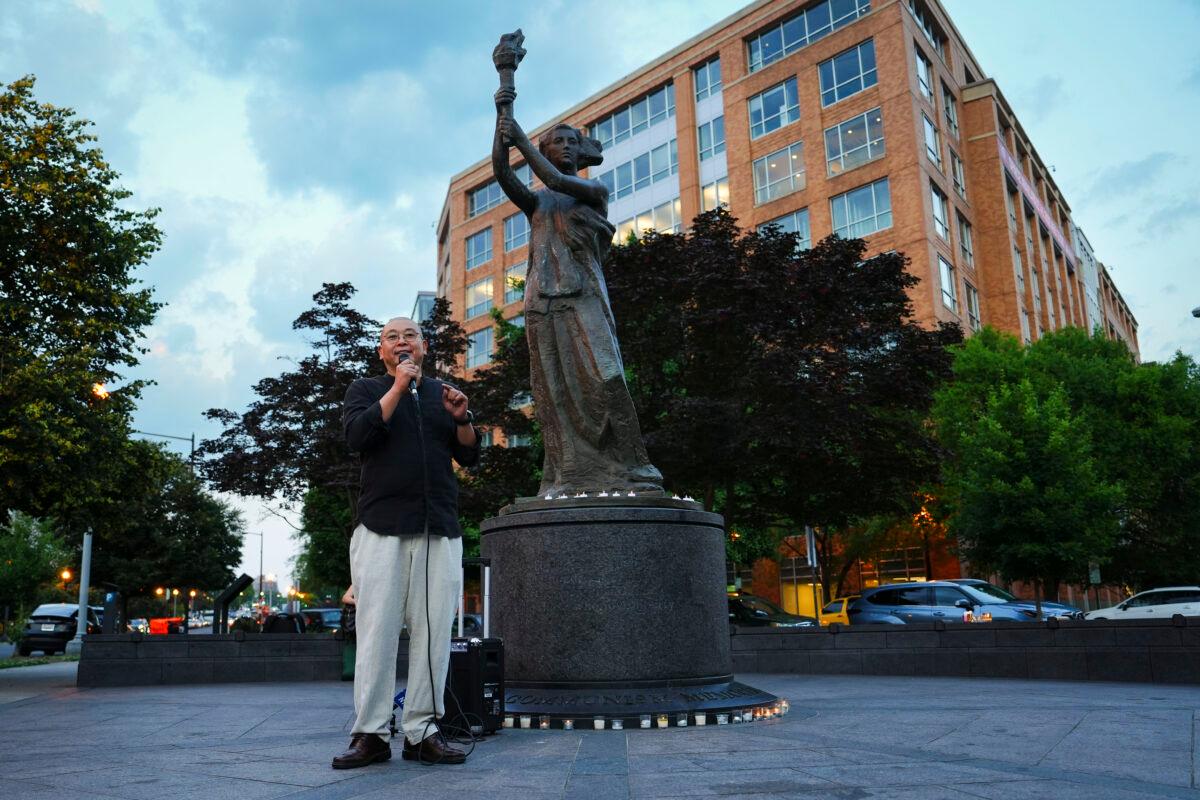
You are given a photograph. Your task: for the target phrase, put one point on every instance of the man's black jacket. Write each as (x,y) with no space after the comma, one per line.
(392,499)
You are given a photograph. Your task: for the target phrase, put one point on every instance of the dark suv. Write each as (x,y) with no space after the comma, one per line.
(899,604)
(51,626)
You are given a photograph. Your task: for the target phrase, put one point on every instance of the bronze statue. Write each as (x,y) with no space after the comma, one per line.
(592,438)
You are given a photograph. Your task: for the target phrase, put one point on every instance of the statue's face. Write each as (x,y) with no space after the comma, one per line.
(563,150)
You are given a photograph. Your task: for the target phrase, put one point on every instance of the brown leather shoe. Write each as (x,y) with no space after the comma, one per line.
(365,748)
(433,750)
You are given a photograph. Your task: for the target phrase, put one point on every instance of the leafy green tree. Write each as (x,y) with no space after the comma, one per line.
(780,386)
(71,309)
(323,564)
(30,556)
(1031,502)
(1144,429)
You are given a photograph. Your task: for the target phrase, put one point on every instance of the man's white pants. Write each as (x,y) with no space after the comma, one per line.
(389,574)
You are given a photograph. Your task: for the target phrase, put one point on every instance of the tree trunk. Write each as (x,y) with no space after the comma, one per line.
(1037,597)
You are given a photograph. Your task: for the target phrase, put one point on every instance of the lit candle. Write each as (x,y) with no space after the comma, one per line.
(544,722)
(508,720)
(568,724)
(785,705)
(701,718)
(618,724)
(663,721)
(598,723)
(526,720)
(681,719)
(645,720)
(722,719)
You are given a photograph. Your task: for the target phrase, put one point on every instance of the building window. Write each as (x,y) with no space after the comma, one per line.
(650,167)
(848,73)
(966,245)
(712,138)
(950,107)
(779,173)
(479,348)
(491,195)
(861,211)
(929,27)
(516,231)
(973,318)
(924,74)
(479,248)
(797,223)
(479,298)
(958,174)
(519,319)
(774,108)
(933,142)
(635,117)
(519,440)
(665,218)
(941,215)
(949,292)
(807,26)
(708,79)
(854,142)
(714,194)
(514,283)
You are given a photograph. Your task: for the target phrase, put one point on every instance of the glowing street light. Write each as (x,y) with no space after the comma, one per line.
(100,391)
(65,575)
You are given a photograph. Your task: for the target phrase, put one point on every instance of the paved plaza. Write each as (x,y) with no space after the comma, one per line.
(846,738)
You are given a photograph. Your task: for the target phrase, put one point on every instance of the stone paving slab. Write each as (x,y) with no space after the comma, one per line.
(848,738)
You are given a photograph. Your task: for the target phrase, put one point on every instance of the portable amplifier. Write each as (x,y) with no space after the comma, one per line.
(477,681)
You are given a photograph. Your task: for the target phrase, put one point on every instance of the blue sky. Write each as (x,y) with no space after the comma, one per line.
(290,143)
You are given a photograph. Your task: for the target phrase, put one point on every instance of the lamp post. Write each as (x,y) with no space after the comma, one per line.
(260,558)
(192,439)
(75,646)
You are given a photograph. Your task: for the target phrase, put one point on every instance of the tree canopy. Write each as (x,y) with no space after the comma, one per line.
(71,308)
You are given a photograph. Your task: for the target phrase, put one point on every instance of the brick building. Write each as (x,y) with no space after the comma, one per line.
(866,118)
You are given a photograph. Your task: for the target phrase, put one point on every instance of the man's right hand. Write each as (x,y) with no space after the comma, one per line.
(406,373)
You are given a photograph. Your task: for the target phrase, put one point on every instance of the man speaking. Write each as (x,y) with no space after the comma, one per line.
(406,553)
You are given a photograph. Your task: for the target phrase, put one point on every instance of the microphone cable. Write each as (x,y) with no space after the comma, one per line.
(471,740)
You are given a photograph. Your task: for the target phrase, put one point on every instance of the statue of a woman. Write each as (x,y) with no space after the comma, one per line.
(590,429)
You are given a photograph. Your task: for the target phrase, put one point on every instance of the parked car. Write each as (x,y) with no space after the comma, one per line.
(51,626)
(835,610)
(753,611)
(899,604)
(1154,604)
(139,625)
(1049,609)
(322,620)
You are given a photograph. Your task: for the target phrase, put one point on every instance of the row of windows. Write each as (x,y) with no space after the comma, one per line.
(933,149)
(707,78)
(773,108)
(926,82)
(479,294)
(949,284)
(712,137)
(807,26)
(635,117)
(665,218)
(650,167)
(491,195)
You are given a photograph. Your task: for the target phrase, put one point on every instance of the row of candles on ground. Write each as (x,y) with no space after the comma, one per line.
(663,720)
(614,493)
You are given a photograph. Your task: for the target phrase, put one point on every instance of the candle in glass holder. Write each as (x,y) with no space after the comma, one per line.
(598,723)
(568,724)
(681,719)
(701,718)
(508,720)
(722,719)
(618,724)
(663,721)
(526,720)
(544,722)
(645,720)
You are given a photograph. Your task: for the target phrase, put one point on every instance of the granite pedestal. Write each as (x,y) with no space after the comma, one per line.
(612,607)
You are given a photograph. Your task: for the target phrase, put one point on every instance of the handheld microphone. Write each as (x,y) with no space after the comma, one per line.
(412,385)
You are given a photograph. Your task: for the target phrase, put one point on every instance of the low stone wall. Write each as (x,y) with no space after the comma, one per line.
(135,659)
(1158,651)
(1146,651)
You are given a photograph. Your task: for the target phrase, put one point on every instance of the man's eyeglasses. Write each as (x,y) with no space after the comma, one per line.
(391,337)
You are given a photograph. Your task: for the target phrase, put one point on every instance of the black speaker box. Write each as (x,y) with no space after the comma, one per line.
(475,688)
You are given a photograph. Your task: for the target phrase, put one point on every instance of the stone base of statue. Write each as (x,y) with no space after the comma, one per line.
(613,607)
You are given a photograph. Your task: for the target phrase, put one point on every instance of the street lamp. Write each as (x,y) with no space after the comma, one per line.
(260,558)
(192,439)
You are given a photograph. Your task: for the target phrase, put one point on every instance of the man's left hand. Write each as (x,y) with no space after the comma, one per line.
(455,403)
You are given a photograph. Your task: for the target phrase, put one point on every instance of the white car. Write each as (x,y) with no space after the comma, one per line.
(1154,604)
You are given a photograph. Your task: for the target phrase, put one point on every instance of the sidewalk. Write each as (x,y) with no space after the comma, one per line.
(846,737)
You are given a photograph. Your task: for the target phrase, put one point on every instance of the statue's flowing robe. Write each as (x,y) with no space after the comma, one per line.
(589,426)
